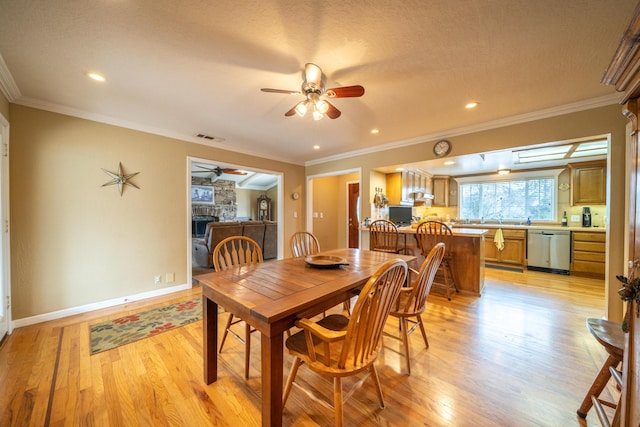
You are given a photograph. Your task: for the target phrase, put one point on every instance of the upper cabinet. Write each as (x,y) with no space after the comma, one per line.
(589,183)
(400,185)
(394,188)
(445,191)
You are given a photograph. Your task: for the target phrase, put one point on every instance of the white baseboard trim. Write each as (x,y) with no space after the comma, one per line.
(95,306)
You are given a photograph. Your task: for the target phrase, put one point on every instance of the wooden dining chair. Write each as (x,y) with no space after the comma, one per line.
(384,237)
(412,301)
(428,234)
(233,252)
(304,243)
(610,335)
(338,346)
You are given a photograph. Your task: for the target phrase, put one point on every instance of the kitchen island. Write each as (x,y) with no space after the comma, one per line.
(467,255)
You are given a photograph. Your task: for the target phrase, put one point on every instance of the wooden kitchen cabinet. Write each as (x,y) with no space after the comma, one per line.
(400,185)
(588,254)
(445,191)
(440,186)
(394,188)
(588,183)
(514,252)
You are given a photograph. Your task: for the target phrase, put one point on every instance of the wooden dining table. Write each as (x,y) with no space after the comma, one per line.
(270,297)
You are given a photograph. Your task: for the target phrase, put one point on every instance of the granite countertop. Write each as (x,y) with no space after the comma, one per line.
(530,227)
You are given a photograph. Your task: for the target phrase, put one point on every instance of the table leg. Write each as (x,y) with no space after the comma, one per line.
(210,340)
(272,377)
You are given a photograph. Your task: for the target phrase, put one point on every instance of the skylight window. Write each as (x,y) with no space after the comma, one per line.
(593,148)
(559,152)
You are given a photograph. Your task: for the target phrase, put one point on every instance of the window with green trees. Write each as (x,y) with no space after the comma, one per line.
(509,200)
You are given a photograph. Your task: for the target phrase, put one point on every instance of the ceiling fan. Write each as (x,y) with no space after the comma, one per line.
(314,91)
(218,170)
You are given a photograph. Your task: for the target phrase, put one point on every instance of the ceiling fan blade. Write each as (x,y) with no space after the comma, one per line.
(313,74)
(234,171)
(266,89)
(333,112)
(345,92)
(204,169)
(292,111)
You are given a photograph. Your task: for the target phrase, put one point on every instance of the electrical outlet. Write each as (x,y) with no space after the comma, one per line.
(170,277)
(157,280)
(575,218)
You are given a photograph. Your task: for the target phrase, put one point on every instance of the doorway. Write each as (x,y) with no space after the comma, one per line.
(328,208)
(248,184)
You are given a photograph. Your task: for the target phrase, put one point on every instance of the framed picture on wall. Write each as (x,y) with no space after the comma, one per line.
(202,194)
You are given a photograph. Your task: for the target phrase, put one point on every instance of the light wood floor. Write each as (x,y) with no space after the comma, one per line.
(520,355)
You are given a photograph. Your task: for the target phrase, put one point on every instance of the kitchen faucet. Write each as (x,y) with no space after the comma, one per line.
(500,218)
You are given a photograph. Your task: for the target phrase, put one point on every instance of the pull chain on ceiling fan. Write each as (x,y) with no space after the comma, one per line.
(313,90)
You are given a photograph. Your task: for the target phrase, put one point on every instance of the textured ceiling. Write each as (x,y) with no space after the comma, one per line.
(180,67)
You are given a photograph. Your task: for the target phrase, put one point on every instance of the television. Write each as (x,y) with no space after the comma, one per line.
(400,215)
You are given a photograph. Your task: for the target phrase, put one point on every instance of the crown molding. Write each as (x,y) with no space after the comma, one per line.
(8,86)
(73,112)
(588,104)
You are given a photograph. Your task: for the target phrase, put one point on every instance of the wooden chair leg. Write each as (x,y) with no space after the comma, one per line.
(226,332)
(247,349)
(445,272)
(292,376)
(598,385)
(374,374)
(404,331)
(337,400)
(424,333)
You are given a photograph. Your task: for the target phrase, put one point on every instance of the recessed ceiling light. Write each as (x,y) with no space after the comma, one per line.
(375,131)
(316,147)
(399,169)
(449,162)
(95,76)
(471,105)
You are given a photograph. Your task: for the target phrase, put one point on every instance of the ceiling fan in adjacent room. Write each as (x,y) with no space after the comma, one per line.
(218,170)
(314,91)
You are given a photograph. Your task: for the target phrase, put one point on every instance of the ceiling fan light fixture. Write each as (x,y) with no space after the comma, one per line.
(301,109)
(322,106)
(317,115)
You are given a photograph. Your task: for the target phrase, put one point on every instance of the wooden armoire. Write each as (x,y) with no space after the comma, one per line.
(624,73)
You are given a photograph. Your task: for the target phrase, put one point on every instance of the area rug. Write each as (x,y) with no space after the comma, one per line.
(125,330)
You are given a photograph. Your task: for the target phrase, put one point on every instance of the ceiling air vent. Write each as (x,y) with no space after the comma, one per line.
(209,137)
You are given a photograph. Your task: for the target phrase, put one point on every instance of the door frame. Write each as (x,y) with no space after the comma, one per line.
(309,193)
(5,254)
(280,205)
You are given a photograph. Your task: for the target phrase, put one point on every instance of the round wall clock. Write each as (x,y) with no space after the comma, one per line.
(442,148)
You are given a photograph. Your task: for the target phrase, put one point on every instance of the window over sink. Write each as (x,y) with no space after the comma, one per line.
(515,199)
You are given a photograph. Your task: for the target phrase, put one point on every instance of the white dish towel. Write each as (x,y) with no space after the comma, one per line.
(498,239)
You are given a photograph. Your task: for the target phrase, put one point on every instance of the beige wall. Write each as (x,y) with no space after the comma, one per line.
(74,242)
(330,201)
(325,205)
(597,121)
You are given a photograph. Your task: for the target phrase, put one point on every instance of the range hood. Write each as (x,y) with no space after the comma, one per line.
(420,199)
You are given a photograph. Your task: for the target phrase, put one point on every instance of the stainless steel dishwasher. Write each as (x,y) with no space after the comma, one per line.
(549,250)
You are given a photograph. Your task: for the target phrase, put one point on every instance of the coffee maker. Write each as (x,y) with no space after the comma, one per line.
(586,217)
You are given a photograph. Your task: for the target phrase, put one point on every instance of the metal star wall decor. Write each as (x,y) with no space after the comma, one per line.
(120,179)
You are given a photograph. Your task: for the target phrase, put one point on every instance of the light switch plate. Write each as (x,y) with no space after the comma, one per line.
(575,218)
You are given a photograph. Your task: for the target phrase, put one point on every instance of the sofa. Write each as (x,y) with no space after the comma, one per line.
(265,233)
